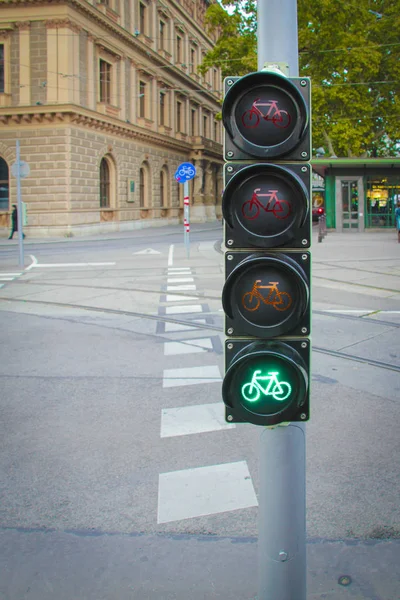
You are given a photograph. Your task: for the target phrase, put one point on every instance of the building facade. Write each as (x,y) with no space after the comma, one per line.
(106,101)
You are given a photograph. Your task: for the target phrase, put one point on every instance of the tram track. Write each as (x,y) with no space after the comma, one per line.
(216,328)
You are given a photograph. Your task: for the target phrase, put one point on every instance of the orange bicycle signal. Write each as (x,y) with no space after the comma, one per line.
(279,300)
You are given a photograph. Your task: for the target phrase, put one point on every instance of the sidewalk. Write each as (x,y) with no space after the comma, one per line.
(162,231)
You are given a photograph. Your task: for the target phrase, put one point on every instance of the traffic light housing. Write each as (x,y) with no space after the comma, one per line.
(267,227)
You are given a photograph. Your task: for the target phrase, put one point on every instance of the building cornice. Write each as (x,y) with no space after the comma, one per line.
(72,115)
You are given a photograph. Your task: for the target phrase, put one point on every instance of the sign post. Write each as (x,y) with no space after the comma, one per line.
(184,173)
(19,170)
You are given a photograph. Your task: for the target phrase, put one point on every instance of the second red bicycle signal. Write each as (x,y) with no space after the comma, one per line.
(267,205)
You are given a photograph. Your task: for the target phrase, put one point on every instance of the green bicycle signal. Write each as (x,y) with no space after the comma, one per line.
(279,390)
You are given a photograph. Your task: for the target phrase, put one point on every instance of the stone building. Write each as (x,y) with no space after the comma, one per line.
(106,100)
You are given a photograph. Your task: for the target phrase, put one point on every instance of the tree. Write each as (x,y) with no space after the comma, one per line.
(351,52)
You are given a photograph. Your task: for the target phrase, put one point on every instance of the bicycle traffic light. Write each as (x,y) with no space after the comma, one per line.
(267,227)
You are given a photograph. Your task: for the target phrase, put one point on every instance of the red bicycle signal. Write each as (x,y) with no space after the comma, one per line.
(281,209)
(280,118)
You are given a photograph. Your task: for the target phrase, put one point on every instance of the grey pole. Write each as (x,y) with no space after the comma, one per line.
(186,214)
(19,208)
(282,495)
(277,33)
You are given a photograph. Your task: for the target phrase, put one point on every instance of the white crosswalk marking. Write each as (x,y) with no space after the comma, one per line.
(186,308)
(180,280)
(182,288)
(188,346)
(204,491)
(191,376)
(171,327)
(176,298)
(178,269)
(187,420)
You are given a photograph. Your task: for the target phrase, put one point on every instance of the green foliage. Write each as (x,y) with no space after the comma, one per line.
(352,57)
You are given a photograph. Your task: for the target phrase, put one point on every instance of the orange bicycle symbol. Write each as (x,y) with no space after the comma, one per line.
(281,209)
(280,118)
(279,300)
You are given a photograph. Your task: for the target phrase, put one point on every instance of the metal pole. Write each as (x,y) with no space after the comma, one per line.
(186,222)
(19,208)
(282,499)
(277,33)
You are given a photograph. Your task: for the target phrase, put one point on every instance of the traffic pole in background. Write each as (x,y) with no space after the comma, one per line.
(186,216)
(282,495)
(19,206)
(184,173)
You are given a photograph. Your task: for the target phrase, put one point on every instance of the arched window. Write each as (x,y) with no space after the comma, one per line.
(144,187)
(105,187)
(164,189)
(4,185)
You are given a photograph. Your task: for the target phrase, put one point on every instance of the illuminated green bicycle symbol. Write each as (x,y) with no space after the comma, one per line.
(279,390)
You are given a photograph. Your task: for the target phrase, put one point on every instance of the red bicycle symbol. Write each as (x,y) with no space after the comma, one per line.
(280,118)
(281,209)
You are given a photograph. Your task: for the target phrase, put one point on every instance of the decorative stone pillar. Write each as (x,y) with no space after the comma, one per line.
(24,63)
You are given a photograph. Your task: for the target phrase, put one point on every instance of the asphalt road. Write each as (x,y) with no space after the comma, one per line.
(119,476)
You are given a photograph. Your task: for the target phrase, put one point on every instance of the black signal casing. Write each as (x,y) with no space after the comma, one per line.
(293,96)
(269,222)
(267,313)
(240,353)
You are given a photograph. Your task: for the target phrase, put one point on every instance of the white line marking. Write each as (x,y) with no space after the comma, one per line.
(33,263)
(188,346)
(338,310)
(186,420)
(10,275)
(171,255)
(180,280)
(182,288)
(6,278)
(181,310)
(170,327)
(89,264)
(191,376)
(176,298)
(147,251)
(204,491)
(178,269)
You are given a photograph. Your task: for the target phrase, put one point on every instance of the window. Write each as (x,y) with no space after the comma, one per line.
(193,115)
(193,61)
(178,57)
(142,98)
(141,187)
(205,126)
(142,18)
(164,188)
(162,108)
(4,185)
(105,82)
(104,184)
(162,36)
(178,116)
(144,178)
(2,69)
(215,80)
(216,130)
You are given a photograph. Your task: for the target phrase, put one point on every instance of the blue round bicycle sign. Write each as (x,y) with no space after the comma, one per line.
(185,172)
